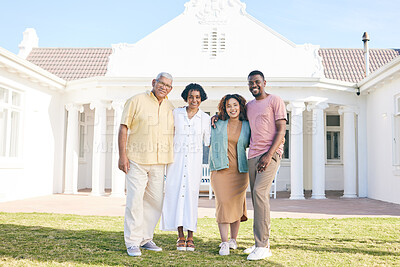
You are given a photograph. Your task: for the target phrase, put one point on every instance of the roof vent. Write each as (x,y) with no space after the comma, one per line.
(213,43)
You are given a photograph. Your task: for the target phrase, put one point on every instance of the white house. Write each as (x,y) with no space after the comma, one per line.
(60,107)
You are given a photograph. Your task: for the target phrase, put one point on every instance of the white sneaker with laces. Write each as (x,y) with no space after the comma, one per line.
(232,244)
(151,246)
(224,249)
(249,250)
(134,251)
(259,253)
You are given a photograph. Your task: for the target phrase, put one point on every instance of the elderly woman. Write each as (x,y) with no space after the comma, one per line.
(192,131)
(228,163)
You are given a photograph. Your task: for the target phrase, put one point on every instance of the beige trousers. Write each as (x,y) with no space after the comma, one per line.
(144,199)
(260,185)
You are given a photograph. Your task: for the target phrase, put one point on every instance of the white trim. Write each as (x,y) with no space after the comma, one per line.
(24,68)
(334,129)
(7,161)
(397,105)
(396,141)
(215,82)
(384,72)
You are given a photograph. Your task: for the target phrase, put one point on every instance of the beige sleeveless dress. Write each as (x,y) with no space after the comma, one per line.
(230,185)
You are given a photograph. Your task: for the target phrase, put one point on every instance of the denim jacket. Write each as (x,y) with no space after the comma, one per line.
(219,146)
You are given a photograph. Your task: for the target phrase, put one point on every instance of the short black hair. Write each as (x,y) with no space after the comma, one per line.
(194,87)
(256,72)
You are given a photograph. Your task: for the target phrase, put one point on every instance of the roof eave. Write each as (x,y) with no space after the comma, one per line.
(379,76)
(26,69)
(288,82)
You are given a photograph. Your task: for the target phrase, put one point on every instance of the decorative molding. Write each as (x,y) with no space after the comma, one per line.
(296,105)
(348,109)
(100,104)
(74,107)
(315,105)
(117,104)
(213,12)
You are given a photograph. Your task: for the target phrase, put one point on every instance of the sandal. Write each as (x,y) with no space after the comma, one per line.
(181,244)
(190,244)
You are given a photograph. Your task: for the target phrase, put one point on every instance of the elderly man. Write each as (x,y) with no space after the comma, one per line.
(143,156)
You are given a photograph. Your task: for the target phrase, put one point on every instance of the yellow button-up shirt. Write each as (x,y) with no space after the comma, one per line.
(151,129)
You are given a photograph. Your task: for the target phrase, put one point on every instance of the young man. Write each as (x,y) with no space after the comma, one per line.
(267,118)
(143,156)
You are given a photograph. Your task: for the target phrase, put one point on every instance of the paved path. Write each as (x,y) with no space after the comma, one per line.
(332,207)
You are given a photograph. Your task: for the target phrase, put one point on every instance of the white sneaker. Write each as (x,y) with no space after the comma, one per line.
(224,249)
(259,253)
(232,244)
(249,250)
(151,246)
(134,251)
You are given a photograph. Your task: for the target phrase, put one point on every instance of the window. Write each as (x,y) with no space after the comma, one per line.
(82,132)
(333,137)
(10,123)
(287,139)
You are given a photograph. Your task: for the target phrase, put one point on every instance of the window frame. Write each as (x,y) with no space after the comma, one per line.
(8,161)
(333,129)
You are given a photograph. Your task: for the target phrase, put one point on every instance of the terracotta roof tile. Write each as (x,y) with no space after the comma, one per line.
(347,64)
(72,63)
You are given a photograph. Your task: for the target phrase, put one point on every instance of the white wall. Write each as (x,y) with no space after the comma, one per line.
(40,169)
(383,183)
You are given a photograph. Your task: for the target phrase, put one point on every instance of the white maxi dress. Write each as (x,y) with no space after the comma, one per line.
(184,174)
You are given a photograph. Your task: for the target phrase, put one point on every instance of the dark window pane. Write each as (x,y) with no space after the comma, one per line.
(286,146)
(332,120)
(332,145)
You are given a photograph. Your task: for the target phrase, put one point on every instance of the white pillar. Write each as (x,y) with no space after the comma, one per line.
(118,177)
(362,150)
(318,149)
(99,147)
(72,149)
(349,152)
(296,149)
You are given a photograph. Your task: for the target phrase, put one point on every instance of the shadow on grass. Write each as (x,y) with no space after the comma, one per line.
(340,246)
(51,245)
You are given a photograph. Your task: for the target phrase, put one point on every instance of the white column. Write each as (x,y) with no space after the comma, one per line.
(118,177)
(318,149)
(362,150)
(72,149)
(99,147)
(349,152)
(296,149)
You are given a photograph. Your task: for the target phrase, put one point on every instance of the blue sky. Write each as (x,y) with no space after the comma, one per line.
(100,23)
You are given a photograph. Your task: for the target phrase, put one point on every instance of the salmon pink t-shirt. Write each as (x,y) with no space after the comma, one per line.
(262,115)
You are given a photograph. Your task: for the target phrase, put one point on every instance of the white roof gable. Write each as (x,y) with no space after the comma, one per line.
(215,38)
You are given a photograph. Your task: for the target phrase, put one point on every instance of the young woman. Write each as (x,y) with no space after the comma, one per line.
(192,131)
(228,163)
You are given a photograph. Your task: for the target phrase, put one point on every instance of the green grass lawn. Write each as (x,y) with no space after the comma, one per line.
(69,240)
